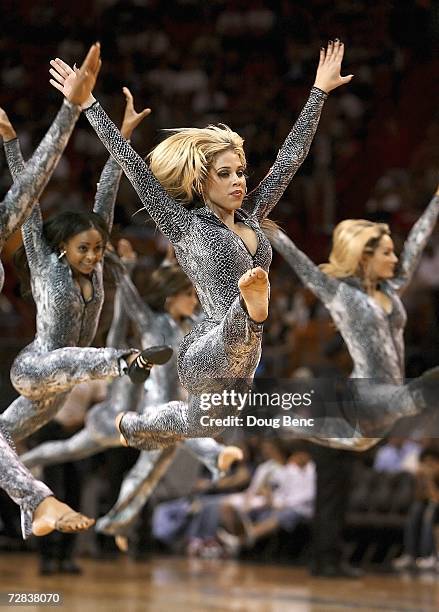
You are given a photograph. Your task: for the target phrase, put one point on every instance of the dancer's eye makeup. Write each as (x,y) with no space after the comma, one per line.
(225,172)
(83,248)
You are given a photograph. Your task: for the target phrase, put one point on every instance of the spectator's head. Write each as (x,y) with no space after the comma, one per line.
(202,163)
(361,248)
(430,457)
(275,449)
(397,441)
(299,455)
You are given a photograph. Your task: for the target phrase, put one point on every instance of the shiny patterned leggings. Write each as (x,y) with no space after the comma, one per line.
(20,485)
(214,358)
(44,380)
(141,480)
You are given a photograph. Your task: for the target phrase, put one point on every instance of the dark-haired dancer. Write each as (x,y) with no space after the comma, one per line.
(41,512)
(165,315)
(223,251)
(65,261)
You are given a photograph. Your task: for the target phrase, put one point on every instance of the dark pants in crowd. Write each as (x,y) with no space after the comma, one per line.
(418,532)
(334,478)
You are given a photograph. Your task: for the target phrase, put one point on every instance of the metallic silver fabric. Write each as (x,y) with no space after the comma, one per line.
(15,479)
(100,431)
(56,360)
(162,386)
(375,339)
(20,485)
(227,344)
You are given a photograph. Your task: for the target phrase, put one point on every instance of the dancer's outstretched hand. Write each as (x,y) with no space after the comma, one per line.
(77,84)
(328,75)
(7,132)
(131,118)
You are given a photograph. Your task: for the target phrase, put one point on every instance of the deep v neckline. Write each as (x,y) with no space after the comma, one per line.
(243,241)
(77,284)
(205,211)
(382,309)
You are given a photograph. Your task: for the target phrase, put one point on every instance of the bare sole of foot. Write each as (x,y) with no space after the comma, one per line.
(227,456)
(255,290)
(52,514)
(121,543)
(117,421)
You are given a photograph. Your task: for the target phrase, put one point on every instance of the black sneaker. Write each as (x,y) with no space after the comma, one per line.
(140,368)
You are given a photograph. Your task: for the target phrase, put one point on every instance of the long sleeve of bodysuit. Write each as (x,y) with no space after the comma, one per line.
(138,310)
(415,244)
(117,335)
(32,228)
(289,159)
(20,485)
(171,217)
(106,192)
(30,179)
(322,285)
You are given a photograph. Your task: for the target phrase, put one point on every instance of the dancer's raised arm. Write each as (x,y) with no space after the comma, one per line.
(322,285)
(171,217)
(298,142)
(111,174)
(31,178)
(415,244)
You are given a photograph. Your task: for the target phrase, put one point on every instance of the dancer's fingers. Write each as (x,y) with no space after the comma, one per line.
(128,95)
(58,77)
(91,61)
(322,56)
(335,49)
(62,66)
(56,85)
(346,79)
(340,53)
(329,51)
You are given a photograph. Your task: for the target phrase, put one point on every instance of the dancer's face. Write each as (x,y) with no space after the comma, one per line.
(84,251)
(183,304)
(381,264)
(225,185)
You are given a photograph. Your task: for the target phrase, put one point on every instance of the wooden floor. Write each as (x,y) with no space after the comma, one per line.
(182,585)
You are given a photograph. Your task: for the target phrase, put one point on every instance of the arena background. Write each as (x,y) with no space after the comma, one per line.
(249,65)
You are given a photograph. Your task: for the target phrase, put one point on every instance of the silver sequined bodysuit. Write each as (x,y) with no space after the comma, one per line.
(163,388)
(374,338)
(227,344)
(15,479)
(47,369)
(100,431)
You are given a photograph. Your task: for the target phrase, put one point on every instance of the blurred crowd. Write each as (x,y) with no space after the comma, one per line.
(249,64)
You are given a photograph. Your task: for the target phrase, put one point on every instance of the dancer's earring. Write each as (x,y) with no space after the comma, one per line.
(62,253)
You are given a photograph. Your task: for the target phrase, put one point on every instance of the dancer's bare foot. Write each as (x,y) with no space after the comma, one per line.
(121,543)
(255,291)
(117,421)
(227,456)
(52,514)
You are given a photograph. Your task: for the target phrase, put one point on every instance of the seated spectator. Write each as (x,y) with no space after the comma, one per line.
(390,457)
(212,511)
(286,505)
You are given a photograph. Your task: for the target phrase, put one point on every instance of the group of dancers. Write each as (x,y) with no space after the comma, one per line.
(194,188)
